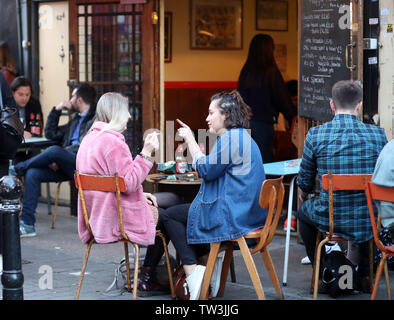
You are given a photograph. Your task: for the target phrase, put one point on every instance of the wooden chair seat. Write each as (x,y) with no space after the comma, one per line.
(271,198)
(117,185)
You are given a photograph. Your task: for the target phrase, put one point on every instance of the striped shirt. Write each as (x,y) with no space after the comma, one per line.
(344,145)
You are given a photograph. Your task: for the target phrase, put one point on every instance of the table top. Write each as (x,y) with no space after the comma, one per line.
(155,178)
(37,142)
(283,168)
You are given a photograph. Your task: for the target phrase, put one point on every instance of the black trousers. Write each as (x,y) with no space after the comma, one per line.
(155,252)
(174,220)
(308,232)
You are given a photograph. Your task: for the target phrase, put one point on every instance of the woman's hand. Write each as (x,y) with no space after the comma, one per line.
(151,199)
(151,143)
(185,132)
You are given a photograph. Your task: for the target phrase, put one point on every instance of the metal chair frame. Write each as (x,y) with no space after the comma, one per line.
(117,185)
(375,192)
(336,182)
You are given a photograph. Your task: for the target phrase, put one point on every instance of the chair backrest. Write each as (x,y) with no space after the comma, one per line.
(379,193)
(337,182)
(113,183)
(271,197)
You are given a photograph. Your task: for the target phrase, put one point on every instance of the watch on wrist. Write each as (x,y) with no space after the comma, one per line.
(147,157)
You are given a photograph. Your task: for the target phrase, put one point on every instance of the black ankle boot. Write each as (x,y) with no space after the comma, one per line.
(148,284)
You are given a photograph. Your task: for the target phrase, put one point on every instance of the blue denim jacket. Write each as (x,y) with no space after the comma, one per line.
(227,204)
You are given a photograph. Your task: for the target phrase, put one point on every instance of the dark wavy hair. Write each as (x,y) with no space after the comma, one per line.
(21,81)
(260,63)
(237,112)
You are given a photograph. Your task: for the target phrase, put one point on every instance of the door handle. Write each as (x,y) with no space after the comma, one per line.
(348,47)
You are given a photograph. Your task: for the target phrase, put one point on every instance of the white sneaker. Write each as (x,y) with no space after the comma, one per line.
(305,260)
(215,279)
(332,247)
(194,282)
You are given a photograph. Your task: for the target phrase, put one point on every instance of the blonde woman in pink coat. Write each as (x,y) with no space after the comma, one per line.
(104,151)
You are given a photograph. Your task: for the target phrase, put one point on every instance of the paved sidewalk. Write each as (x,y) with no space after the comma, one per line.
(61,252)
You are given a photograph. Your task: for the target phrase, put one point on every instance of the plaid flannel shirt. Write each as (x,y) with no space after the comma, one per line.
(344,145)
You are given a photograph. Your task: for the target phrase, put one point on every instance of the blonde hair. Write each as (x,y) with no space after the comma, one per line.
(113,109)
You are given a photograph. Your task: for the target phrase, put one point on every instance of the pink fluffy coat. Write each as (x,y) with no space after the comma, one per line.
(106,154)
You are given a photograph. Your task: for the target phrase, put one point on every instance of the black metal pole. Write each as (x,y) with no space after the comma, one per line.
(3,172)
(12,277)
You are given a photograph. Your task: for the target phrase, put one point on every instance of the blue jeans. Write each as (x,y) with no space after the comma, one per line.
(37,171)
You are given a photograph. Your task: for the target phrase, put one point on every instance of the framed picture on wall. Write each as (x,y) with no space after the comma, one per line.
(272,15)
(216,24)
(167,36)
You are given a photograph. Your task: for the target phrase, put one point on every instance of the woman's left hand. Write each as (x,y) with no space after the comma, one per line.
(151,199)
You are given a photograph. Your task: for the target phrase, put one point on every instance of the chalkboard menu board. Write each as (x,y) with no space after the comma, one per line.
(325,34)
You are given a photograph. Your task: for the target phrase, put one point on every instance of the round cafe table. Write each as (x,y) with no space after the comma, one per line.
(153,178)
(187,190)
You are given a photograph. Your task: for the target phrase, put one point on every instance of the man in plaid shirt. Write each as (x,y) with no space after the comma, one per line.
(344,145)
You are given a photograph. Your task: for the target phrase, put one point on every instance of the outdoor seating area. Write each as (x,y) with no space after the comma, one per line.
(210,151)
(61,259)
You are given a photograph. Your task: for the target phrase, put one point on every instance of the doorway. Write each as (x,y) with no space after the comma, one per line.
(112,47)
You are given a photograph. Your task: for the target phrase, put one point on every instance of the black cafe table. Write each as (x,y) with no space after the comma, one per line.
(37,142)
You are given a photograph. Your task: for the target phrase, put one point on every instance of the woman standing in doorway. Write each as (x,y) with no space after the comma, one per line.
(262,87)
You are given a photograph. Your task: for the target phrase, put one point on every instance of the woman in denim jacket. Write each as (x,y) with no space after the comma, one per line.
(227,204)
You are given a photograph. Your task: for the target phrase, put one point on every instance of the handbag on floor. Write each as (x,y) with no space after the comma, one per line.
(339,274)
(180,284)
(119,283)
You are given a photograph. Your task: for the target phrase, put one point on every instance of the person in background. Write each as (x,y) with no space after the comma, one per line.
(292,87)
(262,87)
(7,65)
(28,105)
(383,175)
(344,145)
(291,142)
(56,163)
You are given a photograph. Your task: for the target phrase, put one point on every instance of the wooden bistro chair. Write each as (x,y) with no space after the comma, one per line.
(331,182)
(375,192)
(113,184)
(271,198)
